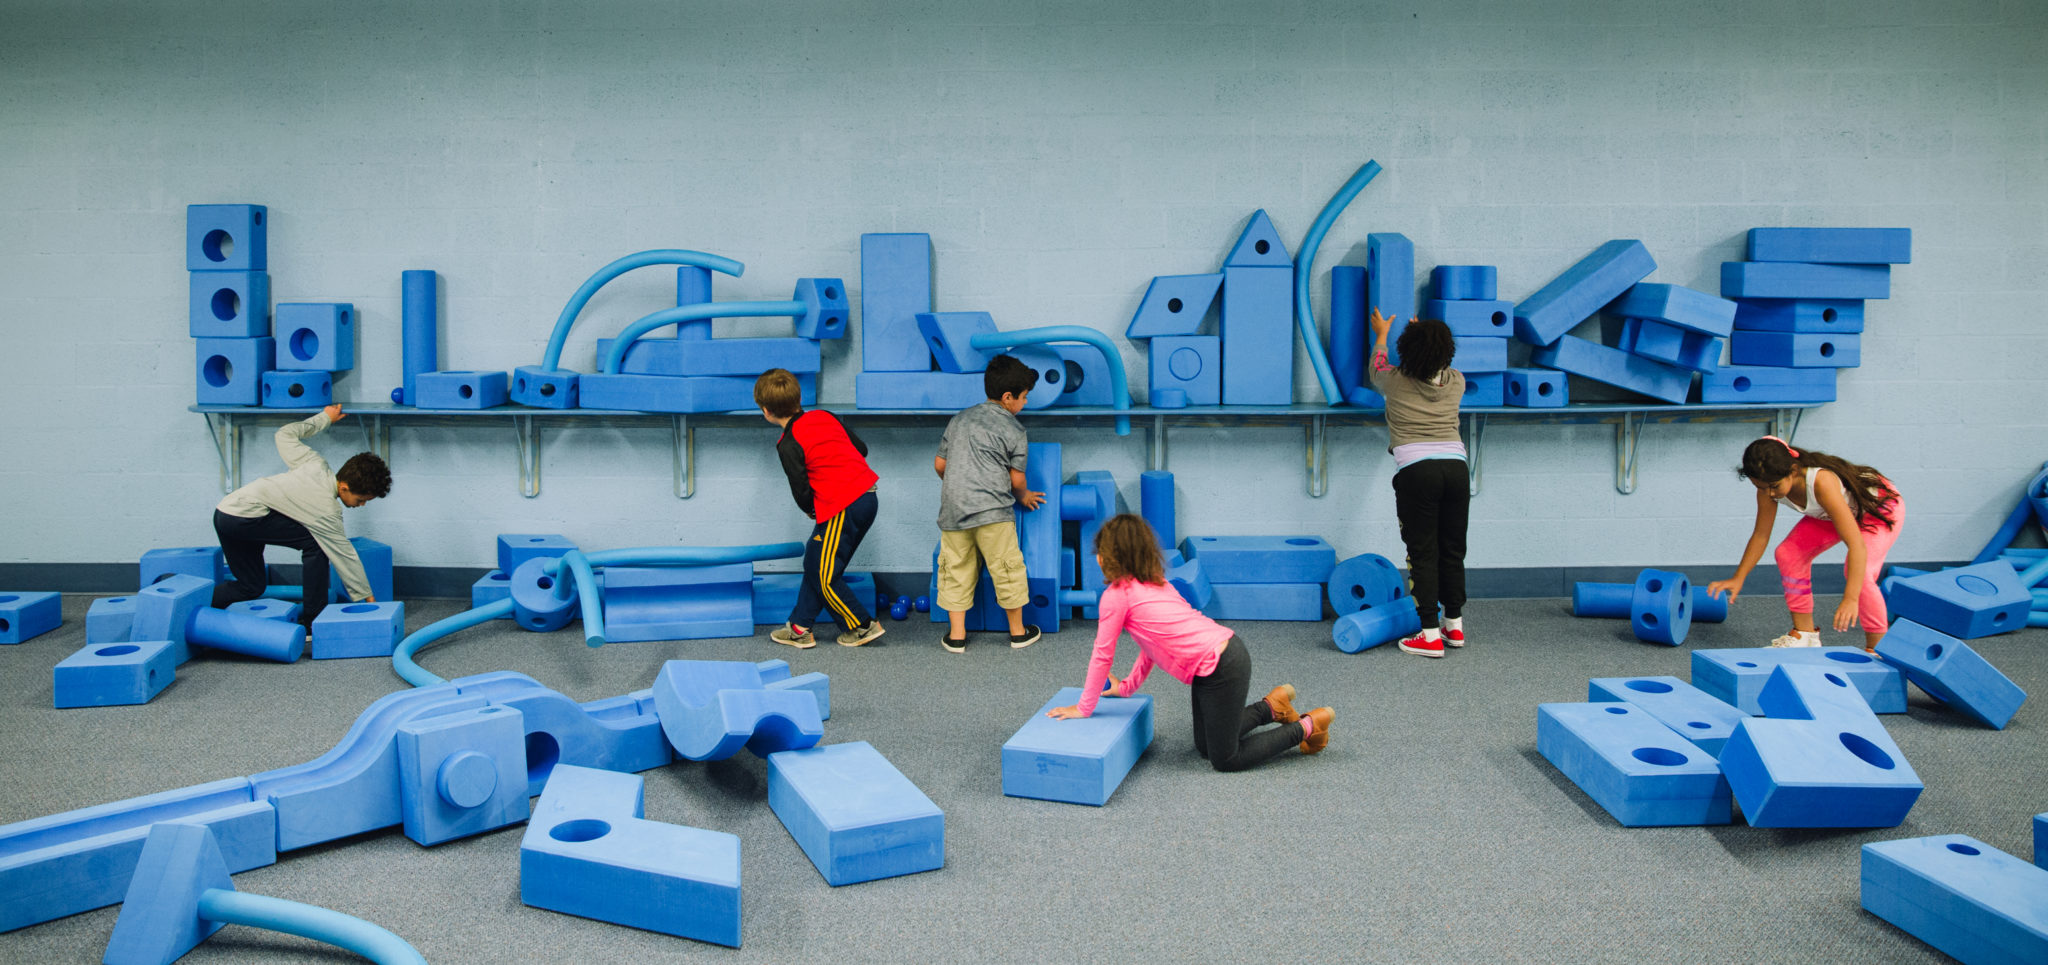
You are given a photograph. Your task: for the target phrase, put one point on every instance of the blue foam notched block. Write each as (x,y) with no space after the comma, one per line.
(1494,319)
(1796,349)
(358,630)
(461,773)
(316,335)
(589,851)
(297,390)
(230,304)
(709,709)
(110,619)
(229,371)
(517,548)
(1486,388)
(1365,581)
(1480,354)
(1574,296)
(895,285)
(1639,770)
(1841,246)
(543,388)
(1817,315)
(1967,602)
(1258,335)
(1616,367)
(1174,305)
(1675,305)
(1669,344)
(715,356)
(1366,629)
(226,237)
(1949,671)
(1389,289)
(1737,675)
(26,615)
(1463,283)
(1265,601)
(854,814)
(1966,898)
(1262,559)
(283,611)
(1764,383)
(678,602)
(1820,760)
(917,390)
(462,390)
(1191,363)
(1690,712)
(1536,388)
(1085,379)
(1783,279)
(667,393)
(1259,245)
(1077,761)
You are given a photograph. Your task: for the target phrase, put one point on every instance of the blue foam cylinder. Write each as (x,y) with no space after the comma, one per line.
(1366,629)
(1155,496)
(1169,398)
(552,359)
(248,635)
(1347,326)
(1365,581)
(371,941)
(420,322)
(1604,600)
(689,313)
(2022,512)
(1120,387)
(1304,315)
(693,287)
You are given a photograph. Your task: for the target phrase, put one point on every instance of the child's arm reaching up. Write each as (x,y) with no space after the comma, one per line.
(1031,500)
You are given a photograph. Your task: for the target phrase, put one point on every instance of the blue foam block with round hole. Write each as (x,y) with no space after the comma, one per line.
(1637,769)
(1365,581)
(1815,315)
(1259,245)
(230,304)
(1265,601)
(544,388)
(1191,363)
(517,548)
(1967,602)
(1536,388)
(1796,349)
(1820,760)
(297,389)
(226,237)
(854,814)
(25,615)
(283,611)
(1767,384)
(461,774)
(1485,388)
(1078,761)
(1660,607)
(358,630)
(1262,559)
(461,390)
(947,335)
(229,371)
(1174,305)
(1967,899)
(315,335)
(490,588)
(1737,675)
(1949,671)
(110,619)
(1086,379)
(1690,712)
(1481,319)
(115,674)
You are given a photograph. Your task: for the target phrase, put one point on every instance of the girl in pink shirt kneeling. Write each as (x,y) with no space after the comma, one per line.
(1196,650)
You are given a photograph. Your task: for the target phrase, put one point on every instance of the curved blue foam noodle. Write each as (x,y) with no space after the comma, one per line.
(709,709)
(2022,513)
(688,313)
(1120,387)
(552,359)
(586,589)
(402,657)
(1304,315)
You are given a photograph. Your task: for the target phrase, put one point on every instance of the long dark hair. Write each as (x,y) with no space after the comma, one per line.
(1129,548)
(1770,459)
(1426,349)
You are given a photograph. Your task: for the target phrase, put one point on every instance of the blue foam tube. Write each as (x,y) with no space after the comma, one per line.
(247,635)
(284,592)
(371,941)
(1347,326)
(1119,384)
(416,675)
(2037,619)
(2033,575)
(1608,600)
(688,313)
(421,321)
(1304,261)
(1080,597)
(693,287)
(2007,532)
(1155,499)
(592,607)
(659,256)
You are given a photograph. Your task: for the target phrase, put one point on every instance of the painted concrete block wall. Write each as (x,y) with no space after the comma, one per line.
(1060,155)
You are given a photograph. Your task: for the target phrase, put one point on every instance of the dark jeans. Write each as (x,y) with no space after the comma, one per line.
(242,540)
(1433,500)
(1224,723)
(825,557)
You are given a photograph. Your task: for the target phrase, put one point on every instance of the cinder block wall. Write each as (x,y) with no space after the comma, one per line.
(1060,155)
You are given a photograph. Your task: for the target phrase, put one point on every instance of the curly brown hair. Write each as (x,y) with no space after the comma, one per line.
(1426,348)
(1129,550)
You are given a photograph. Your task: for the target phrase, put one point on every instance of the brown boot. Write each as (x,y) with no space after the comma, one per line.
(1323,717)
(1281,700)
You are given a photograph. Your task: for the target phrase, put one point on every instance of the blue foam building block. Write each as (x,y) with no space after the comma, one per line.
(29,614)
(668,393)
(1077,761)
(715,356)
(1660,607)
(160,919)
(817,685)
(1640,771)
(226,237)
(358,630)
(1174,305)
(109,619)
(1796,349)
(709,709)
(1652,339)
(163,610)
(1536,388)
(205,562)
(1616,367)
(825,309)
(1469,319)
(1188,579)
(1967,602)
(1816,315)
(1763,383)
(316,335)
(1822,760)
(229,371)
(1486,388)
(1782,279)
(517,548)
(462,773)
(589,851)
(1690,712)
(1265,601)
(376,559)
(1463,283)
(1191,363)
(774,596)
(1574,296)
(1085,379)
(230,304)
(1480,354)
(1967,899)
(462,390)
(678,602)
(544,388)
(917,390)
(1350,337)
(1949,671)
(854,814)
(281,610)
(1389,290)
(116,674)
(297,390)
(1841,246)
(895,285)
(617,733)
(1365,629)
(1677,306)
(1258,335)
(1262,559)
(1737,675)
(1258,246)
(1039,531)
(1363,582)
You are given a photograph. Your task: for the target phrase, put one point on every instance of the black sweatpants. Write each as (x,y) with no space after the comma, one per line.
(1433,500)
(825,557)
(242,539)
(1225,724)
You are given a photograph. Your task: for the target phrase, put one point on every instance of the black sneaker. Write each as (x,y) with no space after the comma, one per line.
(1019,641)
(952,645)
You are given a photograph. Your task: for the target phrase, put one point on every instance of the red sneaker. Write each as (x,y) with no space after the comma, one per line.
(1454,638)
(1420,644)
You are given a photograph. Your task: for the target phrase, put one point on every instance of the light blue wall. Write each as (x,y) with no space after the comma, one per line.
(1060,155)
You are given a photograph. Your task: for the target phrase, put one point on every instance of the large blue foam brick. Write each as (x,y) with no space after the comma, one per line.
(1966,898)
(1581,290)
(1350,337)
(1191,363)
(895,285)
(1486,388)
(115,674)
(1536,388)
(1765,383)
(917,390)
(854,814)
(230,304)
(1639,770)
(1670,344)
(1819,315)
(462,390)
(1475,318)
(358,630)
(715,356)
(678,602)
(1780,279)
(1464,283)
(1686,308)
(226,237)
(1616,367)
(665,393)
(1389,289)
(1077,761)
(1821,760)
(297,390)
(1174,305)
(1949,671)
(1841,246)
(1259,245)
(1480,354)
(1262,559)
(28,614)
(1265,601)
(376,558)
(229,371)
(550,388)
(1737,675)
(316,335)
(462,773)
(1967,602)
(1796,349)
(1258,335)
(1690,712)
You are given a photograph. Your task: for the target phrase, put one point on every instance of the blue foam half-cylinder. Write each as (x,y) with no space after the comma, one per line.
(1155,497)
(693,287)
(690,313)
(1304,261)
(1169,398)
(2007,532)
(419,295)
(552,359)
(371,941)
(1347,326)
(402,657)
(1119,384)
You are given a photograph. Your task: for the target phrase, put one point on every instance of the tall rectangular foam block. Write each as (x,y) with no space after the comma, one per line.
(731,357)
(854,814)
(895,285)
(28,614)
(1190,363)
(1949,671)
(229,371)
(1782,279)
(1493,318)
(1086,379)
(1969,900)
(1258,335)
(1737,675)
(1796,349)
(1616,367)
(669,393)
(1262,559)
(1821,760)
(358,630)
(917,390)
(316,335)
(678,603)
(1464,283)
(1676,305)
(1967,602)
(1670,344)
(1767,383)
(1264,601)
(1486,388)
(462,390)
(1841,246)
(1480,353)
(461,773)
(1077,761)
(376,559)
(229,304)
(1639,770)
(1690,712)
(1536,388)
(1389,287)
(226,237)
(1581,290)
(1817,315)
(1350,337)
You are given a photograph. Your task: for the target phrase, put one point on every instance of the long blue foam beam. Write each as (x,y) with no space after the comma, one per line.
(658,256)
(1304,261)
(402,657)
(372,941)
(692,313)
(1119,384)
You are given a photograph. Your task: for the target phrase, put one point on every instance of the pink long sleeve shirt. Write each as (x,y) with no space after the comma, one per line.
(1170,633)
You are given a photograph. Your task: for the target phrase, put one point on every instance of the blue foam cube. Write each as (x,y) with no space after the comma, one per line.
(358,630)
(1639,770)
(29,614)
(230,304)
(226,237)
(1175,305)
(715,356)
(297,390)
(316,335)
(1085,379)
(229,371)
(1653,339)
(1389,290)
(1077,761)
(1737,675)
(1191,363)
(1495,319)
(205,562)
(1675,305)
(1822,760)
(1536,388)
(1690,712)
(1949,671)
(825,310)
(461,390)
(553,388)
(1782,279)
(854,814)
(1258,335)
(110,619)
(1265,601)
(1480,353)
(1581,290)
(1262,559)
(1816,315)
(1616,367)
(267,609)
(917,390)
(678,602)
(895,285)
(662,393)
(114,674)
(1796,349)
(1841,246)
(1259,245)
(461,773)
(1966,898)
(1486,388)
(1967,602)
(1464,283)
(1765,383)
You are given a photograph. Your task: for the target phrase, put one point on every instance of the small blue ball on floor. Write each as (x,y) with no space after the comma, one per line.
(899,611)
(922,604)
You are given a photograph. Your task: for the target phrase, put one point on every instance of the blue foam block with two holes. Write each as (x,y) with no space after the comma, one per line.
(1967,602)
(462,773)
(226,237)
(110,619)
(1767,383)
(1537,388)
(1675,305)
(29,614)
(854,814)
(1495,319)
(1690,712)
(544,388)
(1784,279)
(1949,671)
(1796,349)
(116,674)
(297,389)
(1652,339)
(1840,246)
(1365,581)
(205,562)
(1265,601)
(1486,388)
(1463,283)
(1581,290)
(1737,675)
(1086,380)
(1965,898)
(1482,354)
(462,390)
(1389,290)
(1616,367)
(678,602)
(1258,334)
(948,335)
(669,393)
(709,709)
(283,611)
(1259,245)
(1191,363)
(1634,767)
(230,304)
(1814,315)
(1174,305)
(1365,629)
(1820,760)
(1077,761)
(316,335)
(895,285)
(917,390)
(1262,559)
(715,356)
(229,371)
(358,630)
(517,548)
(825,309)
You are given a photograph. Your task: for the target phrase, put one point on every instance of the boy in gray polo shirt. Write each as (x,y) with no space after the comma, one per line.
(981,471)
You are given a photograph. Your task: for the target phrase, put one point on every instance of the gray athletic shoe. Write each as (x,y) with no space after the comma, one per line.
(861,635)
(788,634)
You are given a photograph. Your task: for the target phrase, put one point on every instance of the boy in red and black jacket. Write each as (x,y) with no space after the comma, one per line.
(829,476)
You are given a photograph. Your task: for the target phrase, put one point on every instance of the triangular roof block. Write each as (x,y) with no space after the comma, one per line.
(1259,245)
(1175,305)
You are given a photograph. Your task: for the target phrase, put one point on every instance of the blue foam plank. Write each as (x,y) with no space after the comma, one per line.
(1389,289)
(1536,388)
(1191,363)
(1967,602)
(1639,770)
(668,393)
(462,390)
(1581,290)
(1781,279)
(1616,367)
(544,388)
(1258,246)
(1796,349)
(1350,336)
(1174,305)
(1363,582)
(1690,712)
(1368,628)
(1967,899)
(316,335)
(1262,559)
(1258,335)
(1085,378)
(229,371)
(1669,344)
(895,285)
(281,610)
(462,773)
(115,674)
(517,548)
(376,559)
(1817,315)
(1463,283)
(1676,305)
(1949,671)
(825,309)
(715,356)
(774,596)
(1480,354)
(678,602)
(205,562)
(709,709)
(1486,388)
(358,630)
(1842,246)
(1737,675)
(163,610)
(1077,761)
(297,390)
(1822,760)
(589,851)
(110,619)
(1495,319)
(1763,383)
(917,390)
(854,814)
(226,237)
(1265,601)
(160,919)
(230,304)
(29,614)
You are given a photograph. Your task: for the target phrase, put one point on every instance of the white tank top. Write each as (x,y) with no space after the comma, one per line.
(1813,507)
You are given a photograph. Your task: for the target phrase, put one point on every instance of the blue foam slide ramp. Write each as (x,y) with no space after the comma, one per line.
(1796,349)
(1366,629)
(1265,601)
(227,237)
(715,356)
(545,388)
(1463,283)
(895,285)
(667,393)
(1840,246)
(1259,245)
(462,390)
(1486,388)
(1581,290)
(589,851)
(297,390)
(230,304)
(1969,900)
(1469,319)
(1821,760)
(1676,305)
(1192,364)
(1262,559)
(1653,339)
(1086,380)
(462,773)
(678,602)
(917,390)
(709,709)
(1819,315)
(1350,337)
(1536,389)
(854,814)
(774,596)
(1615,367)
(1077,761)
(1175,305)
(27,615)
(1782,279)
(1949,671)
(358,630)
(1258,336)
(316,335)
(1737,675)
(1481,354)
(1389,290)
(1363,582)
(1639,770)
(1967,602)
(229,371)
(1690,712)
(1765,383)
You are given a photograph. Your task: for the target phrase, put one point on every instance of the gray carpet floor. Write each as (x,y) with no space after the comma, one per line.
(1431,830)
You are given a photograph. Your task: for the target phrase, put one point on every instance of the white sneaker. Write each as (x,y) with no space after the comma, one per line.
(1798,638)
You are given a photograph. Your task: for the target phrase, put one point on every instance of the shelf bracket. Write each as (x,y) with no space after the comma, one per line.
(683,443)
(1155,444)
(227,444)
(1475,433)
(527,432)
(1785,423)
(1628,434)
(1318,456)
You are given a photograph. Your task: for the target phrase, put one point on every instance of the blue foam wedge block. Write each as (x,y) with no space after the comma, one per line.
(1639,770)
(1191,363)
(1839,769)
(715,356)
(1819,315)
(110,619)
(376,559)
(1174,305)
(1350,337)
(230,304)
(1536,388)
(1259,245)
(1670,344)
(1464,283)
(1949,671)
(115,674)
(1764,383)
(462,390)
(1086,378)
(1676,305)
(229,371)
(1265,601)
(462,773)
(895,285)
(297,390)
(205,562)
(1480,354)
(1967,602)
(1574,296)
(1796,349)
(1077,761)
(163,610)
(226,237)
(1967,899)
(825,309)
(1737,675)
(1262,559)
(917,390)
(26,615)
(1841,246)
(589,851)
(774,596)
(1365,629)
(1492,318)
(544,388)
(283,611)
(667,393)
(709,709)
(1365,581)
(160,919)
(854,814)
(678,602)
(1616,367)
(316,335)
(1782,279)
(1258,335)
(358,630)
(1389,289)
(1486,388)
(517,548)
(1690,712)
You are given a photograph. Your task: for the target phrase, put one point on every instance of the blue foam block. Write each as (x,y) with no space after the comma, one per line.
(1536,388)
(1842,246)
(1652,339)
(1265,601)
(229,371)
(1763,383)
(115,674)
(1389,289)
(1050,368)
(160,917)
(1039,530)
(917,390)
(1660,607)
(1463,283)
(1639,770)
(1690,712)
(283,611)
(2041,841)
(1966,898)
(589,851)
(1737,675)
(1574,296)
(715,356)
(1085,379)
(1780,279)
(544,388)
(1796,349)
(1191,363)
(358,630)
(1486,388)
(1188,579)
(1350,337)
(709,709)
(230,304)
(1365,581)
(854,814)
(817,685)
(1675,305)
(163,610)
(667,393)
(462,773)
(316,335)
(461,390)
(1365,629)
(376,559)
(297,390)
(1495,319)
(895,285)
(205,562)
(678,602)
(1077,761)
(517,548)
(1819,315)
(774,596)
(1616,367)
(29,614)
(1168,398)
(1174,305)
(1262,559)
(1480,354)
(110,619)
(1258,335)
(226,237)
(825,309)
(1949,671)
(1822,760)
(1967,602)
(1259,245)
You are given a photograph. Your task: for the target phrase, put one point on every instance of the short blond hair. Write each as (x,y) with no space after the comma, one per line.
(777,392)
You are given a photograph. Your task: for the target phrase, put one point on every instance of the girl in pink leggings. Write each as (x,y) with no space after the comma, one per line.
(1841,502)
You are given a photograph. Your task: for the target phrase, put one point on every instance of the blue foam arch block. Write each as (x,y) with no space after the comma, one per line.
(1464,283)
(1690,712)
(1635,768)
(1480,354)
(1262,559)
(854,814)
(678,602)
(1581,290)
(1258,246)
(1966,898)
(1470,319)
(1782,279)
(1816,315)
(709,709)
(1653,339)
(1389,290)
(1258,334)
(1192,364)
(1363,582)
(29,614)
(1265,601)
(1763,383)
(1796,349)
(1821,760)
(666,393)
(1841,246)
(1486,388)
(1536,388)
(1077,761)
(895,285)
(774,595)
(205,562)
(316,335)
(517,548)
(230,304)
(917,390)
(1365,629)
(229,371)
(227,237)
(1966,602)
(1175,305)
(1949,671)
(1086,380)
(1616,368)
(282,389)
(461,774)
(358,630)
(1678,306)
(544,388)
(110,619)
(1737,675)
(1350,337)
(462,390)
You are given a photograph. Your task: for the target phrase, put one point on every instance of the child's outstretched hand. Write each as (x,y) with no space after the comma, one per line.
(1731,587)
(1845,615)
(1380,323)
(1032,500)
(333,413)
(1065,713)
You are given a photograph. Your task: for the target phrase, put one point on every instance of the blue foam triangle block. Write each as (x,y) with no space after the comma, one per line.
(160,920)
(1259,245)
(1175,305)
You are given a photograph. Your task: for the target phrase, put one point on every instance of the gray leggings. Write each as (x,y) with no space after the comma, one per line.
(1226,728)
